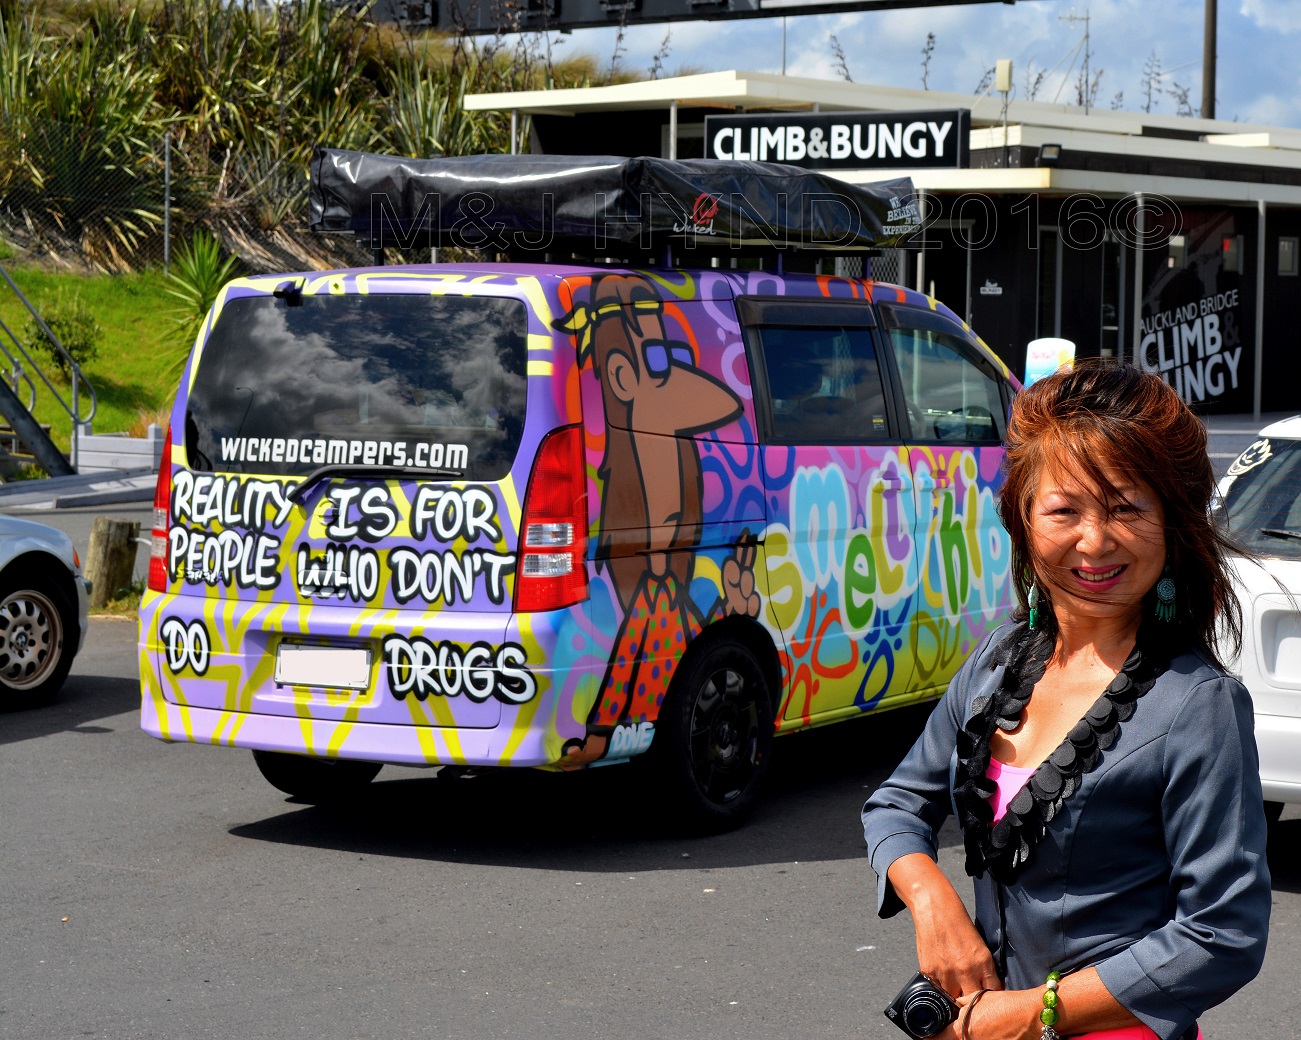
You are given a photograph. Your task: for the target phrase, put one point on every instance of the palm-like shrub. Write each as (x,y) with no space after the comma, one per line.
(78,156)
(245,89)
(196,277)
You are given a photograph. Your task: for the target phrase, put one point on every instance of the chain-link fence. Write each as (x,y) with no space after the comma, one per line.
(114,202)
(888,266)
(117,203)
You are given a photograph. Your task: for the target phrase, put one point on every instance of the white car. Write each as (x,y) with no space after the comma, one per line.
(1262,501)
(43,607)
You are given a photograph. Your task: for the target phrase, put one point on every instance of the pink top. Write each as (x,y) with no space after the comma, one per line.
(1008,781)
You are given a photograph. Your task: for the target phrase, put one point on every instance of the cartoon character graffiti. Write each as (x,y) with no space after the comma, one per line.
(655,399)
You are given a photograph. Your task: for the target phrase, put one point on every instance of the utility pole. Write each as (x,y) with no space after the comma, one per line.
(1208,61)
(1075,19)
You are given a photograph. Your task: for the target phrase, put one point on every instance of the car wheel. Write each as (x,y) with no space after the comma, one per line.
(37,643)
(712,741)
(315,779)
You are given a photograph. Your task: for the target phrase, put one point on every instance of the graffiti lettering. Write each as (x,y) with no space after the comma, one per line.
(378,517)
(341,570)
(860,582)
(445,669)
(936,642)
(455,513)
(247,559)
(315,451)
(431,575)
(632,739)
(207,498)
(185,645)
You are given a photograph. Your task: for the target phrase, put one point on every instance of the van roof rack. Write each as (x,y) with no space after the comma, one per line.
(534,207)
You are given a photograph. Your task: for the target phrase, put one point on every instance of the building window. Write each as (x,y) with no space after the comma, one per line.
(1178,257)
(1233,253)
(1287,255)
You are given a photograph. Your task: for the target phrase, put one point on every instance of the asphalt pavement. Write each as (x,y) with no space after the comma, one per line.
(166,892)
(158,891)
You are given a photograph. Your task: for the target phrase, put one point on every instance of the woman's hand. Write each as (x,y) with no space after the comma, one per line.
(1085,1006)
(949,949)
(1005,1015)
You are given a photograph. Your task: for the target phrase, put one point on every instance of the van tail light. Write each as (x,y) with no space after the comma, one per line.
(162,509)
(551,572)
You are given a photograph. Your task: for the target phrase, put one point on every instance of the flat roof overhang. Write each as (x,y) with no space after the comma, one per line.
(733,90)
(1226,149)
(1070,182)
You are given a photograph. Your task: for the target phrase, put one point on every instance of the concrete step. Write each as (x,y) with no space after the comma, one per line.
(81,489)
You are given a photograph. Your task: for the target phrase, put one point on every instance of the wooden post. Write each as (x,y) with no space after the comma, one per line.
(110,557)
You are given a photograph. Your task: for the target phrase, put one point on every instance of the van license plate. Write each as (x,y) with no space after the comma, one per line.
(335,667)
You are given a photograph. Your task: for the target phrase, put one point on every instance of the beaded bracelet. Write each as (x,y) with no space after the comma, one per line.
(1048,1016)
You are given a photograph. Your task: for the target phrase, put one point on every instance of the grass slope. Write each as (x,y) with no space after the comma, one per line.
(134,373)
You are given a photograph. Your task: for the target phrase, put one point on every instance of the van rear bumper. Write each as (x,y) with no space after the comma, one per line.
(367,742)
(208,676)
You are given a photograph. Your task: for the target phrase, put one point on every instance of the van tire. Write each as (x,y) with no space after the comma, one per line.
(316,780)
(713,737)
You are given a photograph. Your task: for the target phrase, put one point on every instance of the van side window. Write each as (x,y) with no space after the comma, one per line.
(824,384)
(951,396)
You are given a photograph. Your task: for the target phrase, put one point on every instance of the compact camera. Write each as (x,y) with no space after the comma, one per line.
(922,1008)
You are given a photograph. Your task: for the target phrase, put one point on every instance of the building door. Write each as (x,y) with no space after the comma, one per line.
(1079,292)
(1113,303)
(945,265)
(1049,257)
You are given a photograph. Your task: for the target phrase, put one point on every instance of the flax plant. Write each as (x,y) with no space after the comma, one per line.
(246,90)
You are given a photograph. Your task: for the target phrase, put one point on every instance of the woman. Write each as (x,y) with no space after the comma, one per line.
(1100,762)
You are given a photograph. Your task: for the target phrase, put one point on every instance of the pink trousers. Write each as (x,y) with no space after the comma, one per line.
(1127,1033)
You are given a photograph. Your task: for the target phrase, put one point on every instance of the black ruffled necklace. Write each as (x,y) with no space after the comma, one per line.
(1003,848)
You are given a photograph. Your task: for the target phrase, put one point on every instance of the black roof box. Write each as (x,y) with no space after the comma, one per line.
(601,205)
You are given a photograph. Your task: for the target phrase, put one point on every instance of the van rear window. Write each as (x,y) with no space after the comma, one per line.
(361,380)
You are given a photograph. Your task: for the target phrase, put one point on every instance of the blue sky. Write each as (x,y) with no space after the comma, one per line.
(1259,76)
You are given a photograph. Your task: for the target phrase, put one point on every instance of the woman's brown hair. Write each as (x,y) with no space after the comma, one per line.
(1100,416)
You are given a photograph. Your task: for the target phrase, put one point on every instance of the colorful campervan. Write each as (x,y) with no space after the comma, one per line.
(560,515)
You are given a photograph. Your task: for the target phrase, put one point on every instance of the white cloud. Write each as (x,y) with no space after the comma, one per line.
(1282,15)
(1256,78)
(1273,110)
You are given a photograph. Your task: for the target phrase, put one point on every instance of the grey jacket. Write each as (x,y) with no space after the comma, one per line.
(1154,870)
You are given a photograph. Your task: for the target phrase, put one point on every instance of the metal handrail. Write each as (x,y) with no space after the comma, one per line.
(73,367)
(16,368)
(73,410)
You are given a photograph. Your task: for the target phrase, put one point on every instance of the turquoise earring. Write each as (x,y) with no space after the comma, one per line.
(1032,601)
(1165,596)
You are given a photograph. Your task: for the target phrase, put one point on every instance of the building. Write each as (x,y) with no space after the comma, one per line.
(1170,239)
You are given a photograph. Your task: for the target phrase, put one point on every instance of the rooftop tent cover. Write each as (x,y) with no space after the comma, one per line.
(533,203)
